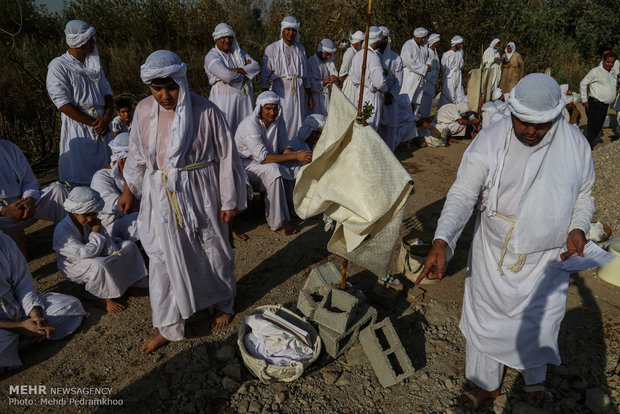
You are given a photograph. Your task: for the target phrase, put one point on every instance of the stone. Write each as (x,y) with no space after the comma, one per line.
(436,313)
(330,376)
(254,407)
(345,379)
(597,400)
(415,294)
(189,408)
(524,408)
(233,370)
(279,397)
(164,394)
(448,383)
(225,353)
(356,355)
(560,370)
(230,384)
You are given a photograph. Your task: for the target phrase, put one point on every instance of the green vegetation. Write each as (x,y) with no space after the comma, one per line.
(565,35)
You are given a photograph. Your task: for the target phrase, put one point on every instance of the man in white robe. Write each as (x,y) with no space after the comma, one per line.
(79,89)
(262,143)
(388,125)
(357,39)
(429,89)
(285,67)
(375,83)
(322,74)
(21,200)
(414,54)
(530,178)
(110,183)
(306,139)
(24,312)
(230,71)
(87,255)
(452,65)
(492,60)
(184,167)
(494,110)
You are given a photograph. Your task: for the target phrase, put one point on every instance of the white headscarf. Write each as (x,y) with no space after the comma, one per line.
(513,47)
(119,146)
(537,98)
(327,46)
(83,200)
(224,30)
(312,123)
(290,22)
(420,32)
(494,42)
(164,64)
(386,53)
(266,98)
(357,37)
(496,94)
(374,35)
(77,33)
(434,38)
(456,40)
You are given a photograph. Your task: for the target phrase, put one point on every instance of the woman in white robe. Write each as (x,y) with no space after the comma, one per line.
(491,60)
(87,255)
(45,315)
(452,66)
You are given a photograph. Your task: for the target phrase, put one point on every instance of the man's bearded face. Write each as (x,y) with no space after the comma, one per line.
(528,133)
(289,34)
(324,56)
(269,112)
(224,43)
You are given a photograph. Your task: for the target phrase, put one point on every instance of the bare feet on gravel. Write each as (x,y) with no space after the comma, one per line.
(239,236)
(221,319)
(479,395)
(154,343)
(286,228)
(110,305)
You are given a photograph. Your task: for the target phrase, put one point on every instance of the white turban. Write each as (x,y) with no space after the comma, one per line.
(119,146)
(494,42)
(537,98)
(374,35)
(266,98)
(420,32)
(83,200)
(166,64)
(434,38)
(496,94)
(463,108)
(384,31)
(290,22)
(456,40)
(78,32)
(326,46)
(312,123)
(357,37)
(513,47)
(224,30)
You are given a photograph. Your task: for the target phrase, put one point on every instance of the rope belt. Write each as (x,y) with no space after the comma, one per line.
(520,260)
(3,302)
(294,79)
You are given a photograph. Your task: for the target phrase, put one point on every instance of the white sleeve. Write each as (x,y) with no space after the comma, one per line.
(584,205)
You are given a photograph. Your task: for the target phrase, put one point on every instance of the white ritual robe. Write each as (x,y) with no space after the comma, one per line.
(254,142)
(317,71)
(447,118)
(347,59)
(109,183)
(488,61)
(232,92)
(190,267)
(515,318)
(375,84)
(389,120)
(407,129)
(106,266)
(493,111)
(415,66)
(18,298)
(452,82)
(429,89)
(17,181)
(286,67)
(82,151)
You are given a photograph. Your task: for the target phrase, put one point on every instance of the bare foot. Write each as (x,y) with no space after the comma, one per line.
(110,305)
(286,228)
(154,343)
(137,291)
(239,236)
(480,395)
(221,319)
(535,393)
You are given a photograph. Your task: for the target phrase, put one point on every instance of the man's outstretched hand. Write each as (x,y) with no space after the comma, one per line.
(574,244)
(435,263)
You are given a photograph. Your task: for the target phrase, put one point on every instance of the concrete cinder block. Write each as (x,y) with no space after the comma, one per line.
(386,353)
(337,343)
(325,274)
(310,299)
(337,310)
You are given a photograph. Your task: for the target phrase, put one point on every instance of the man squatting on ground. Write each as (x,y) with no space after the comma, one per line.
(531,179)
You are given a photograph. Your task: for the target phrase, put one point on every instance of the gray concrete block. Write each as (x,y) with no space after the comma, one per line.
(386,353)
(335,343)
(336,311)
(325,274)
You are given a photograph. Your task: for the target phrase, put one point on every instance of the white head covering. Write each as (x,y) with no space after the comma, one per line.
(512,46)
(292,23)
(83,200)
(374,35)
(420,32)
(327,46)
(266,98)
(224,30)
(77,33)
(384,31)
(463,108)
(494,42)
(496,94)
(357,37)
(456,40)
(311,123)
(119,146)
(434,38)
(164,64)
(537,98)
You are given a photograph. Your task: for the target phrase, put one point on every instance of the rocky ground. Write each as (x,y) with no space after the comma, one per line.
(205,374)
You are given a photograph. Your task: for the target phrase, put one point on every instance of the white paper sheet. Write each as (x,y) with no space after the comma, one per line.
(593,256)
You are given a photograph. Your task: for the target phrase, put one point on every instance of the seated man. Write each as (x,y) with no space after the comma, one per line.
(109,183)
(495,109)
(24,312)
(451,120)
(88,255)
(21,201)
(261,141)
